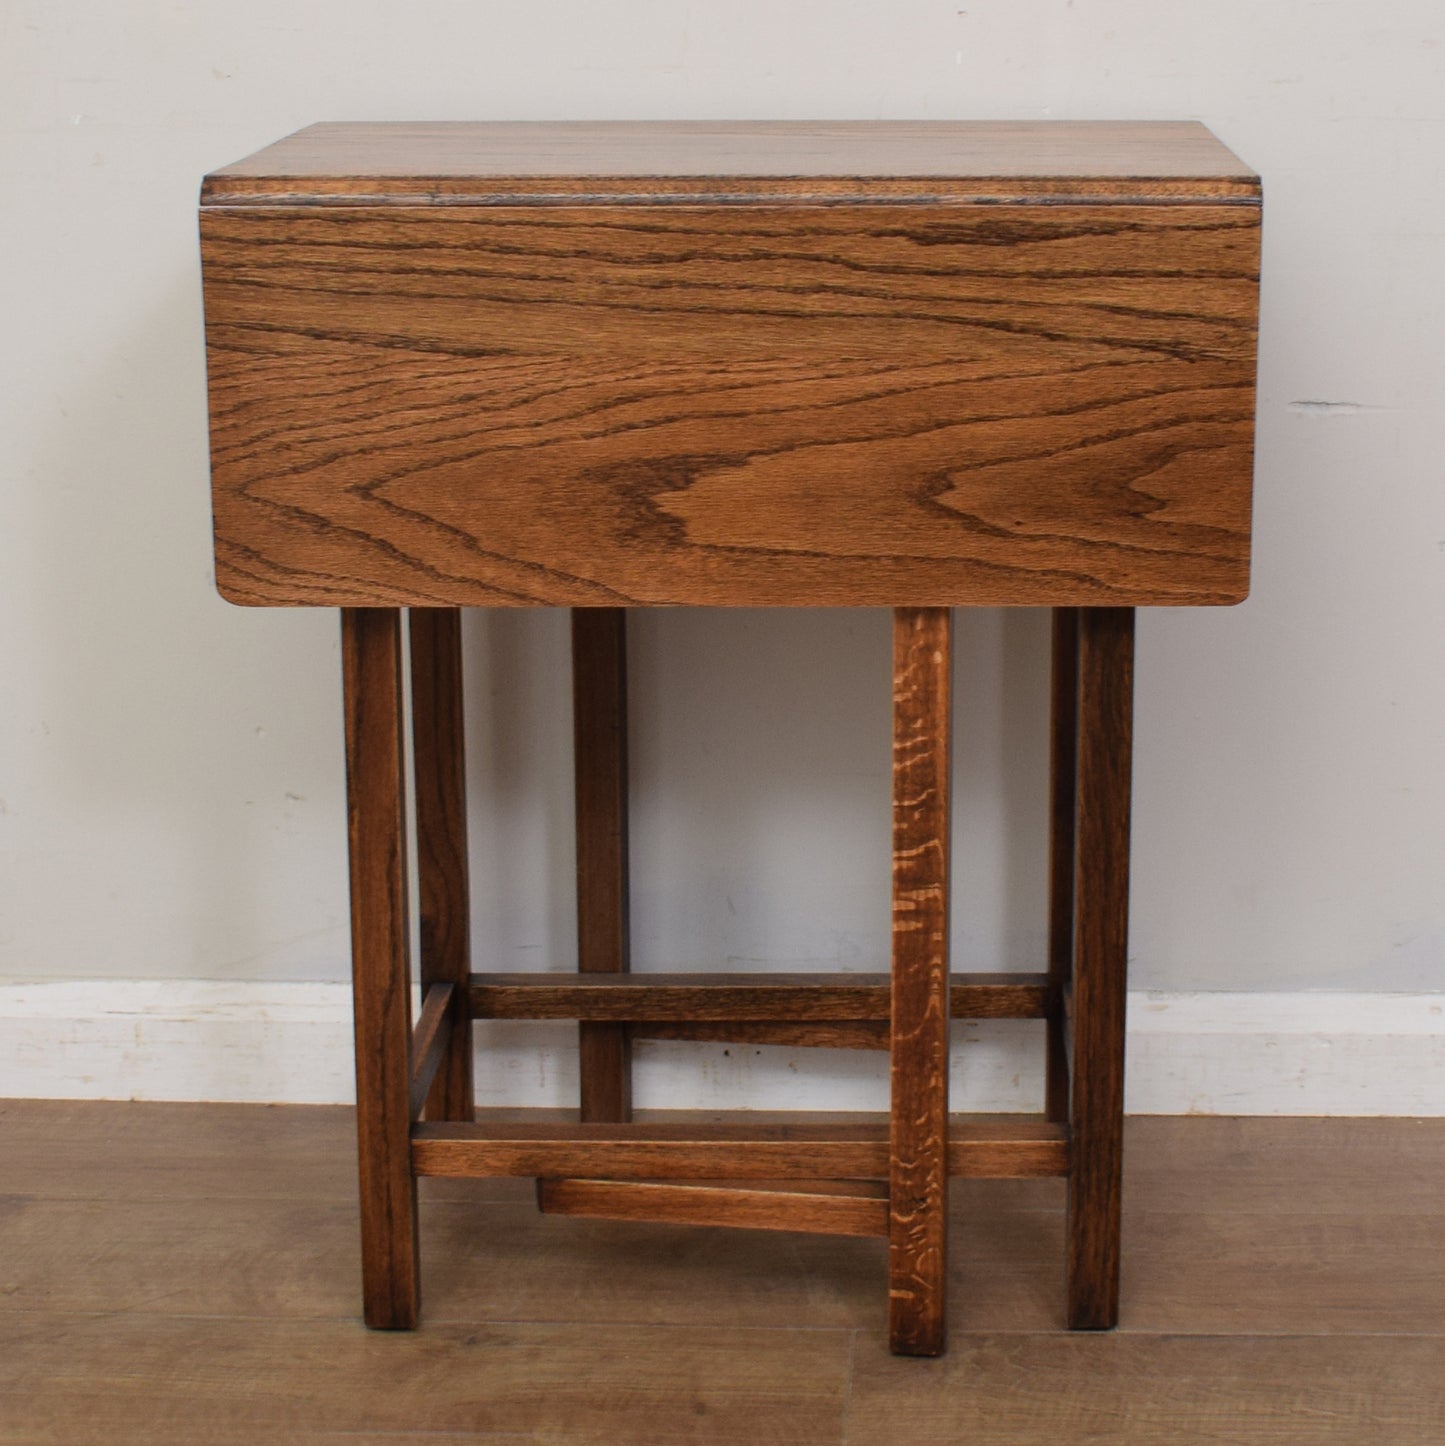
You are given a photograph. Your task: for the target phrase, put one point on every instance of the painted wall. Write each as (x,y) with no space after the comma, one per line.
(170,770)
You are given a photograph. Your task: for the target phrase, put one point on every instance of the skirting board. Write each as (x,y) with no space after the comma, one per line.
(1229,1054)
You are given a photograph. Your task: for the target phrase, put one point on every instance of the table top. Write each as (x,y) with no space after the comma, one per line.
(972,160)
(713,364)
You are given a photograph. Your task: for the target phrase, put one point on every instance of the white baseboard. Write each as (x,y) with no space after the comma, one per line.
(1230,1054)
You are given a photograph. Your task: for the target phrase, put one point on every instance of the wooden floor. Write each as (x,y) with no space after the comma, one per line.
(188,1273)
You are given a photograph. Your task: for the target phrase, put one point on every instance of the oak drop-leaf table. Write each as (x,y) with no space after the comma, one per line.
(913,366)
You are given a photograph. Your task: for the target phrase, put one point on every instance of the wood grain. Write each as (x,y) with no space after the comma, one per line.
(170,1269)
(1133,1390)
(93,1149)
(1259,1166)
(1100,974)
(1194,1271)
(134,1378)
(807,1034)
(430,1043)
(918,1035)
(599,711)
(744,405)
(651,1151)
(458,162)
(371,665)
(817,1213)
(1063,765)
(802,1148)
(155,1151)
(780,996)
(439,767)
(599,367)
(250,1211)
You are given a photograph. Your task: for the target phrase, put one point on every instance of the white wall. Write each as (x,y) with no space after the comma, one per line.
(170,770)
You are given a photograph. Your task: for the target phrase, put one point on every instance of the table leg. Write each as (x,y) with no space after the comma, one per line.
(918,1031)
(1063,764)
(439,768)
(1106,681)
(376,819)
(599,694)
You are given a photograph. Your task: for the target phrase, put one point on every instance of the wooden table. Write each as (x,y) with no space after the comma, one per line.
(914,366)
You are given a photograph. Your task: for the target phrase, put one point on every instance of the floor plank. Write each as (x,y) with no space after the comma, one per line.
(109,1149)
(145,1427)
(1222,1165)
(1132,1390)
(171,1273)
(104,1378)
(1284,1274)
(485,1261)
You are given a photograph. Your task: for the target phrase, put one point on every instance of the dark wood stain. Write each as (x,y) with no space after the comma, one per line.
(775,995)
(748,1207)
(803,1147)
(371,665)
(805,1034)
(918,1021)
(736,162)
(430,1044)
(904,365)
(1100,982)
(599,707)
(1063,762)
(439,748)
(543,405)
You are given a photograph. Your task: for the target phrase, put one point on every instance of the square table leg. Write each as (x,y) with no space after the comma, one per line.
(371,661)
(599,707)
(1105,709)
(439,767)
(1063,770)
(918,1030)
